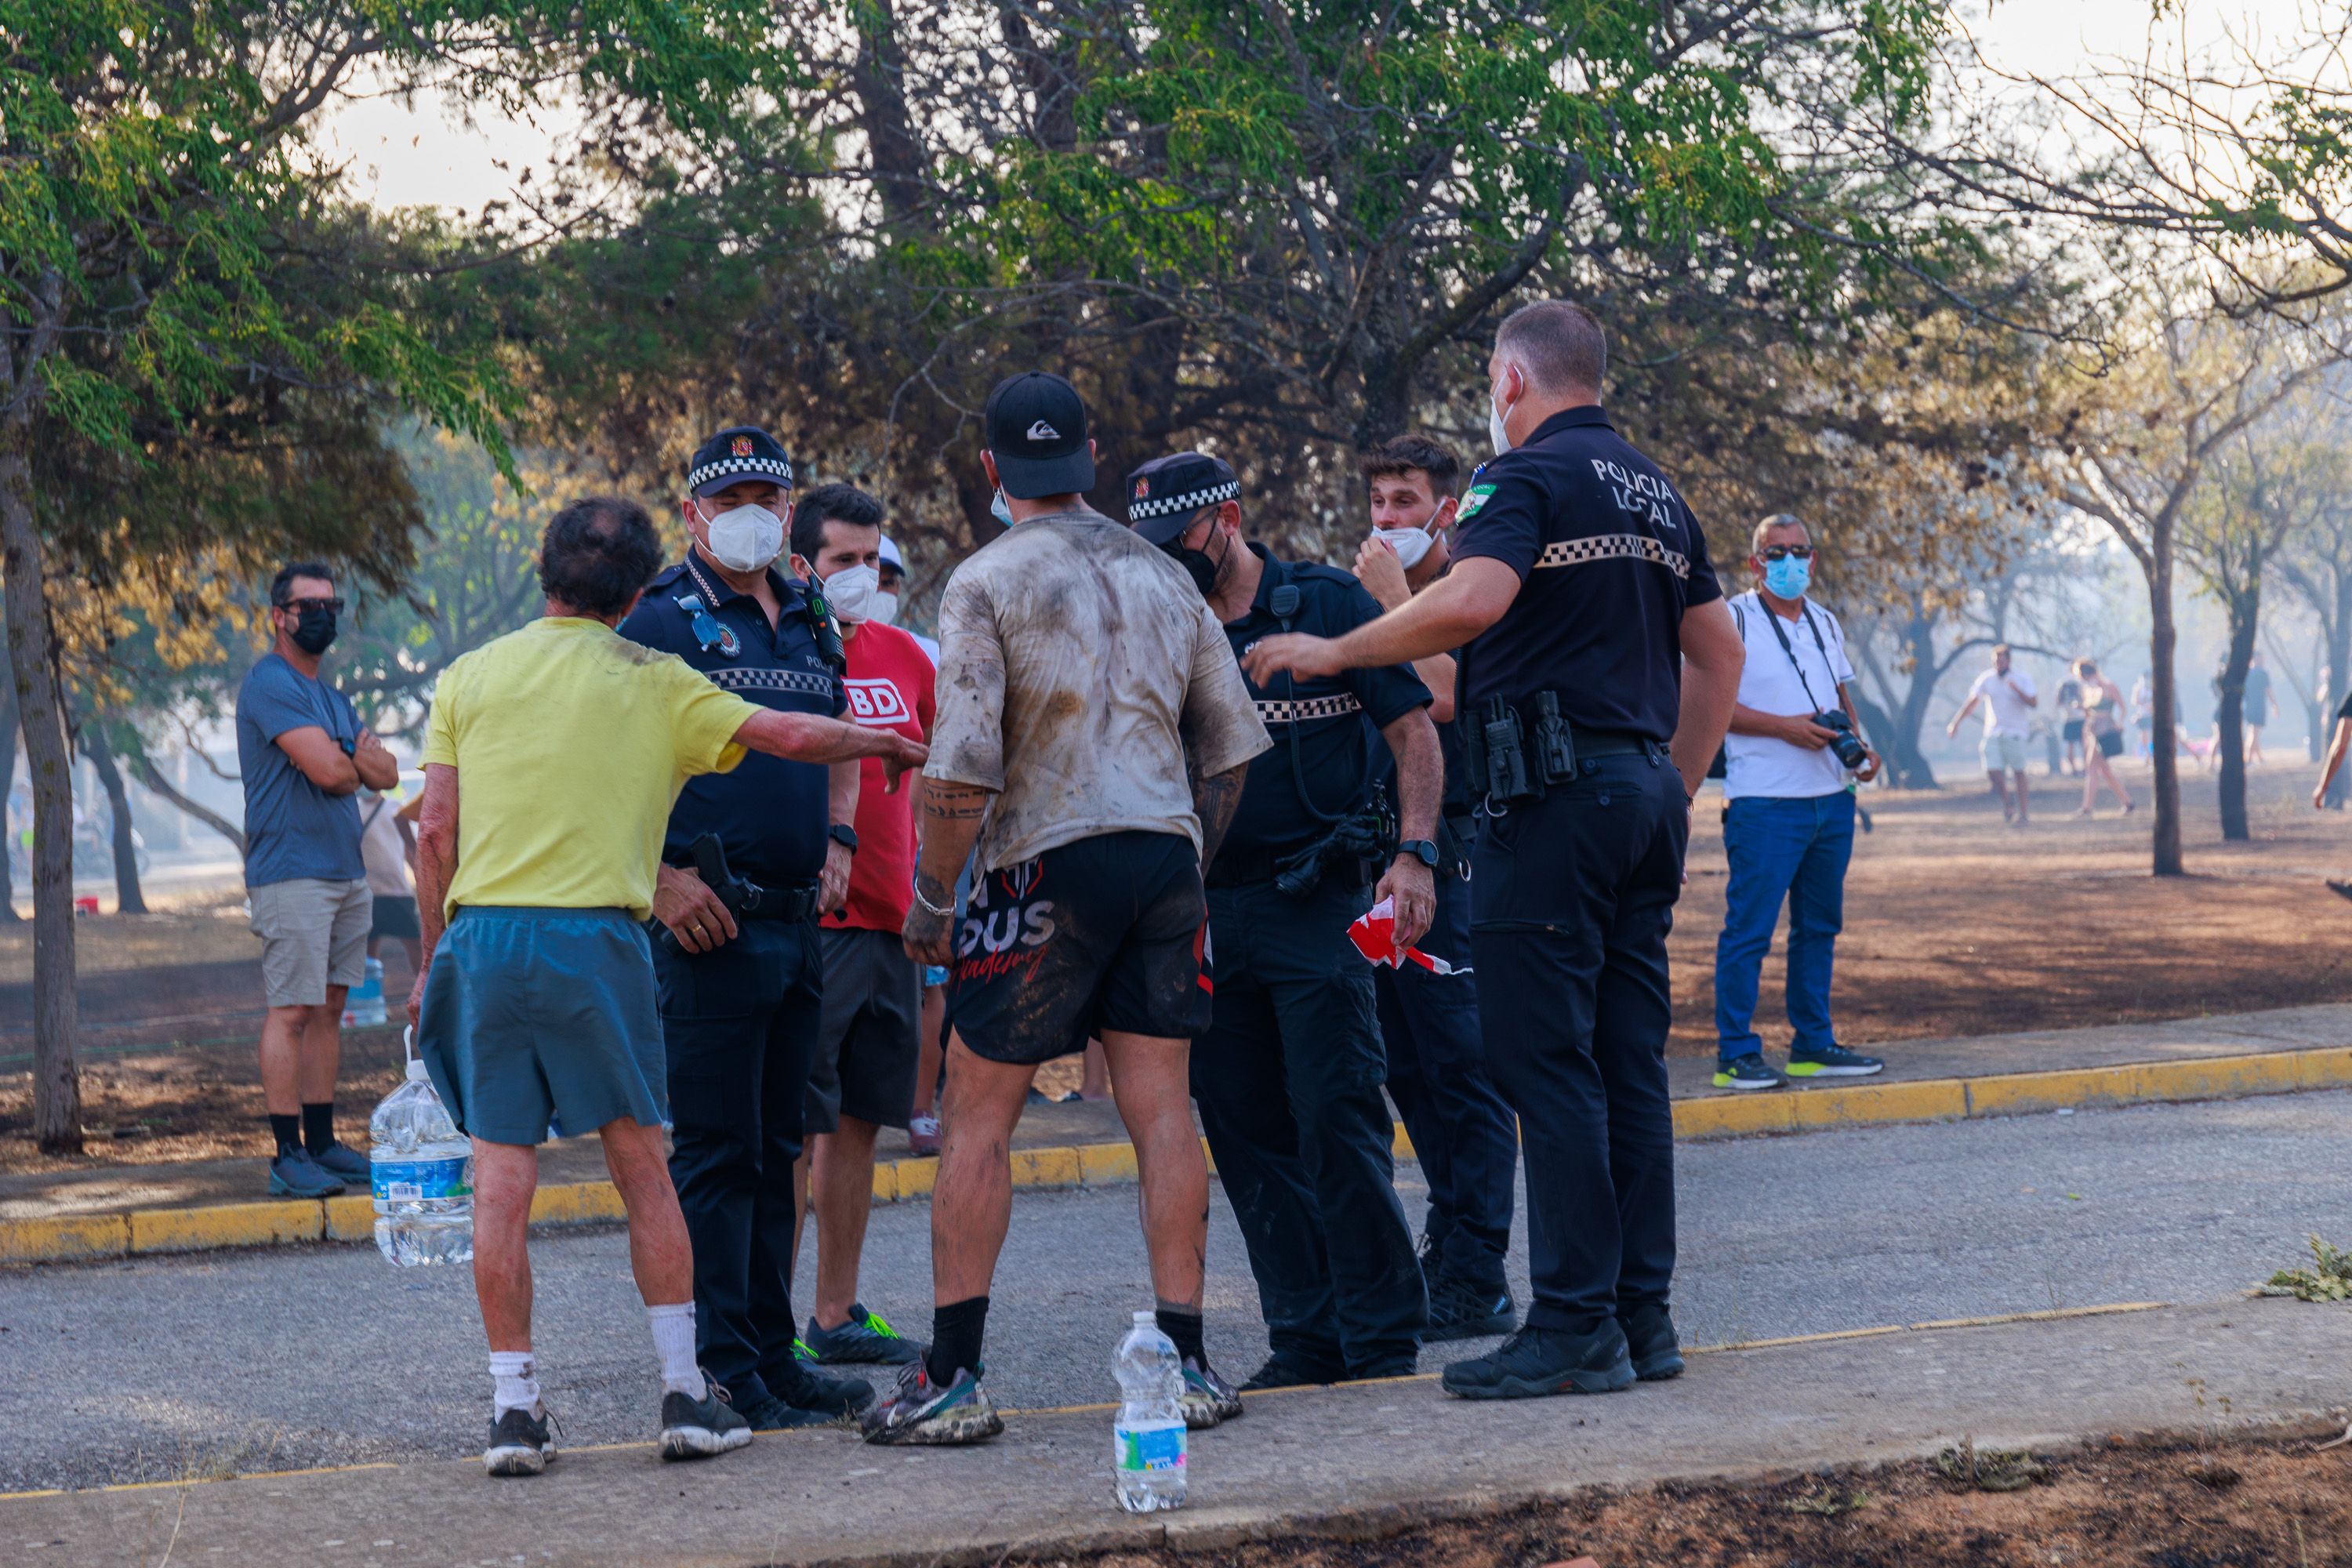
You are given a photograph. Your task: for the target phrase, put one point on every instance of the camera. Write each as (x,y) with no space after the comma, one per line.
(1846,744)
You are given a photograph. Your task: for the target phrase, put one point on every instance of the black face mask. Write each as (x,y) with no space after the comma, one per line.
(1202,566)
(314,632)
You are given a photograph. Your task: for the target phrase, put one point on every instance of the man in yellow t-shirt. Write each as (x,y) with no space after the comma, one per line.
(550,764)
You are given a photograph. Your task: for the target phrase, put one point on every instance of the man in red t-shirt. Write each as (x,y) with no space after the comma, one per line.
(863,1077)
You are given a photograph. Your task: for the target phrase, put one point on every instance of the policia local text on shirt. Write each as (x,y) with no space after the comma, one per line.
(1595,650)
(1288,1075)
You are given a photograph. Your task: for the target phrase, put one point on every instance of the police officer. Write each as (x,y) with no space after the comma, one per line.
(1599,669)
(749,859)
(1463,1134)
(1288,1075)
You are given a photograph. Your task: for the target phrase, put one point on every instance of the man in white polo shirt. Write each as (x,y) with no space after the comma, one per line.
(2008,702)
(1788,828)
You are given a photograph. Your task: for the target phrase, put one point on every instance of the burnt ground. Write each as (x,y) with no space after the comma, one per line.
(2245,1504)
(1956,925)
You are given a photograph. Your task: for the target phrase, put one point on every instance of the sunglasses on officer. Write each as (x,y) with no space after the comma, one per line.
(1785,551)
(333,606)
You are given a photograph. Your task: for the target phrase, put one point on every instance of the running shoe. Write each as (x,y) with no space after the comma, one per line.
(519,1445)
(1459,1309)
(699,1428)
(1747,1072)
(1833,1061)
(918,1411)
(1208,1398)
(923,1135)
(294,1174)
(862,1339)
(347,1165)
(1537,1361)
(1650,1343)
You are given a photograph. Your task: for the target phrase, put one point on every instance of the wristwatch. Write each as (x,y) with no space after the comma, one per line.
(1421,849)
(841,833)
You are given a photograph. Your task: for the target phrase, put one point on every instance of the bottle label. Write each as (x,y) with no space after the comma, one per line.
(1152,1448)
(417,1181)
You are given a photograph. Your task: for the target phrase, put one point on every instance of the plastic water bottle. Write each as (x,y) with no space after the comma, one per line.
(422,1168)
(364,1006)
(1147,1436)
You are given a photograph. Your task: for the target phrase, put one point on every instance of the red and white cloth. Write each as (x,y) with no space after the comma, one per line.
(1374,934)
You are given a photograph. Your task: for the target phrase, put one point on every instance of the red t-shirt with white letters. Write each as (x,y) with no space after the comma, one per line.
(889,686)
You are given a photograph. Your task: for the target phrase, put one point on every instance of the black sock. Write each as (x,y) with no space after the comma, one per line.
(288,1130)
(956,1332)
(318,1128)
(1184,1329)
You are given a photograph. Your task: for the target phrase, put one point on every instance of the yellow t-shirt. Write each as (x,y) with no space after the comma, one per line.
(571,743)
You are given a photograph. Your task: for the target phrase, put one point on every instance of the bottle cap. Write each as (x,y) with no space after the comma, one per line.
(1146,1317)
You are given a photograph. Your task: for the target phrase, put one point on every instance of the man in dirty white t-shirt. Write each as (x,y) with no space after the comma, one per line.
(1092,735)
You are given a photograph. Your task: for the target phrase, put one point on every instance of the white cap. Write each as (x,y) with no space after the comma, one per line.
(890,556)
(1146,1319)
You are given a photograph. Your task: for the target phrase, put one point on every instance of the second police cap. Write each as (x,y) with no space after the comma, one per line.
(1163,494)
(737,453)
(1036,431)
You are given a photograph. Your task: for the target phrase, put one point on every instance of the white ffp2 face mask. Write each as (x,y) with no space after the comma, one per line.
(885,610)
(746,538)
(1495,431)
(1410,544)
(852,592)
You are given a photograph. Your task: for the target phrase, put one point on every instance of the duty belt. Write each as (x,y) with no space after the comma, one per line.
(746,900)
(1514,752)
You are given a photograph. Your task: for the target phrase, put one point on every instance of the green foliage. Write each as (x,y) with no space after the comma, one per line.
(2330,1278)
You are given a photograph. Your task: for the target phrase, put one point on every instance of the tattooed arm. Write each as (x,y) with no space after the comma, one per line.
(1214,799)
(953,813)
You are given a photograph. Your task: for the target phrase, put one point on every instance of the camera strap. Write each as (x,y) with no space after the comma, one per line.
(1805,610)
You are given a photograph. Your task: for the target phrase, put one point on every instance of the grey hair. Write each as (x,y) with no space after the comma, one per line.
(1560,344)
(1777,519)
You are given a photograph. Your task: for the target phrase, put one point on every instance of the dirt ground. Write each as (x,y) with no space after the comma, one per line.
(1956,925)
(2224,1505)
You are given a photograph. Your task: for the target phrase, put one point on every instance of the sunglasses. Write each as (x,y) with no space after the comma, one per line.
(334,607)
(1783,552)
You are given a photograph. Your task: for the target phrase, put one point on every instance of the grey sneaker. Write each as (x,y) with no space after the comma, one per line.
(519,1445)
(1748,1072)
(1208,1399)
(918,1411)
(864,1338)
(294,1174)
(1833,1061)
(347,1165)
(699,1428)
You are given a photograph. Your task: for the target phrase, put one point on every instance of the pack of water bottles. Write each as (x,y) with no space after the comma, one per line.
(1147,1436)
(421,1170)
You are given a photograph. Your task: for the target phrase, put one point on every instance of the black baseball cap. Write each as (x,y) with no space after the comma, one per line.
(737,453)
(1037,430)
(1163,494)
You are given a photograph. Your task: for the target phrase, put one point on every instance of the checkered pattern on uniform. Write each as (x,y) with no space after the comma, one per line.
(1613,547)
(1306,708)
(804,683)
(697,477)
(1190,500)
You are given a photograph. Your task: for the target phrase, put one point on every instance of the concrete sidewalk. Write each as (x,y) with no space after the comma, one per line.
(115,1211)
(1363,1460)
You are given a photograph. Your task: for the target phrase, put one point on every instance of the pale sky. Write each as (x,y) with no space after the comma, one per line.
(401,157)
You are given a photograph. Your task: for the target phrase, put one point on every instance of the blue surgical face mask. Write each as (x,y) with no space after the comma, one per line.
(1789,577)
(999,510)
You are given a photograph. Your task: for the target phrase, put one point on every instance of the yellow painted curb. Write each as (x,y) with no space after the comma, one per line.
(68,1238)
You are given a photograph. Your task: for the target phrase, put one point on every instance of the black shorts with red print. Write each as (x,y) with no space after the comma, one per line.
(1106,933)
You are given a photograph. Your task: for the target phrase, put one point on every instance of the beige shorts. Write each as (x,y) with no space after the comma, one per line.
(2003,753)
(313,934)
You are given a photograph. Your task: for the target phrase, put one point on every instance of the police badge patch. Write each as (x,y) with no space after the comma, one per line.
(742,445)
(729,643)
(1473,501)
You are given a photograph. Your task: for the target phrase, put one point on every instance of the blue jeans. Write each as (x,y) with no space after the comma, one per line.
(1796,850)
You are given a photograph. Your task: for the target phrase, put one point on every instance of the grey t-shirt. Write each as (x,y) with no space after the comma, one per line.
(1078,666)
(292,827)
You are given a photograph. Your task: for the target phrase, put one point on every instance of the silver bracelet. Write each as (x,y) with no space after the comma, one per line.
(945,914)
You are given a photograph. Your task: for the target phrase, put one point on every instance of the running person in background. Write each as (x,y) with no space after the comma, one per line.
(2069,703)
(1093,733)
(2009,702)
(2103,737)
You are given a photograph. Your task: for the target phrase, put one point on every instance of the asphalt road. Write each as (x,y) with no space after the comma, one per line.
(274,1359)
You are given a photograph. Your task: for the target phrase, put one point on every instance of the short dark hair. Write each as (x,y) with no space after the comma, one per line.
(835,503)
(1402,455)
(1560,344)
(280,584)
(597,553)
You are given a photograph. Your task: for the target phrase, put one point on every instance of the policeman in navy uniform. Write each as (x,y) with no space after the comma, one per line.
(736,950)
(1288,1076)
(1599,669)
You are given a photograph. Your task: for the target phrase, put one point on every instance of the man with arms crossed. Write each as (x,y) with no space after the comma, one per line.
(1092,736)
(551,761)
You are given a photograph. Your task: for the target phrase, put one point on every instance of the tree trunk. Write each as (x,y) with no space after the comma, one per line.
(56,1083)
(2230,729)
(2164,750)
(128,899)
(7,787)
(145,769)
(2339,680)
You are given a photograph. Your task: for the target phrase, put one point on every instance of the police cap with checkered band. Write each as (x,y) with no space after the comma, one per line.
(736,454)
(1164,495)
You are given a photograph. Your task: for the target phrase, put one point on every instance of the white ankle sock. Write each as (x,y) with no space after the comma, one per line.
(674,1342)
(516,1372)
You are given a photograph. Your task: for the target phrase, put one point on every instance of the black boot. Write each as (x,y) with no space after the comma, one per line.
(1650,1341)
(1536,1361)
